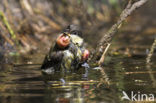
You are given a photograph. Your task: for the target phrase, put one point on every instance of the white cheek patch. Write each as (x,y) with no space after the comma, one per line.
(76,40)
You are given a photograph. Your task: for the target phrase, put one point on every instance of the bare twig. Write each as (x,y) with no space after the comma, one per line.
(8,13)
(148,59)
(104,80)
(6,23)
(148,64)
(103,55)
(107,38)
(27,6)
(4,34)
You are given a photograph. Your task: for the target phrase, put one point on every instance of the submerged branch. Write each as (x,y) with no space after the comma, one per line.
(105,79)
(107,38)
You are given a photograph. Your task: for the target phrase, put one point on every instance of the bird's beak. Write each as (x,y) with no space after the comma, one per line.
(66,33)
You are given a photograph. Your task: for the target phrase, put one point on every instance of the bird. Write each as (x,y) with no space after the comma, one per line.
(68,52)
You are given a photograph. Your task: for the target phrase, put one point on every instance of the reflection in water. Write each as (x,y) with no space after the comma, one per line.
(71,93)
(26,84)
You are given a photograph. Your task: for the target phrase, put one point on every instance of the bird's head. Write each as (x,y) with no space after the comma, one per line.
(71,34)
(63,40)
(74,30)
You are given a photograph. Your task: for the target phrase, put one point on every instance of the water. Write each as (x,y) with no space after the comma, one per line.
(26,84)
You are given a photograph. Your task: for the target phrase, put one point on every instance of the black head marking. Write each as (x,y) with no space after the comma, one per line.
(74,29)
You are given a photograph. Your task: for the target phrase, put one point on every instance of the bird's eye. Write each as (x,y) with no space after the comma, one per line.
(74,32)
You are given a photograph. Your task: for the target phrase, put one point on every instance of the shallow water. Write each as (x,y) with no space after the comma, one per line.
(25,83)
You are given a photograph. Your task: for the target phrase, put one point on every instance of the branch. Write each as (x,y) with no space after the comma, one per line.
(148,64)
(107,38)
(6,23)
(3,33)
(103,55)
(148,59)
(104,80)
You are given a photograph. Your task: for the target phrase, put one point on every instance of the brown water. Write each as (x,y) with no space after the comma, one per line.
(25,83)
(125,68)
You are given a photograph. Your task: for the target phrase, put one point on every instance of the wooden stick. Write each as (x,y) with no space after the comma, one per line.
(103,55)
(148,59)
(107,38)
(148,64)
